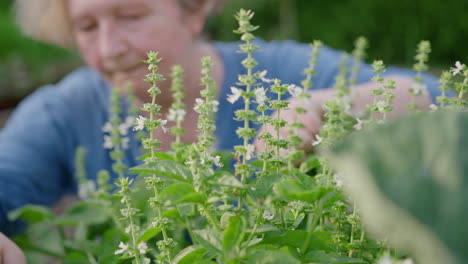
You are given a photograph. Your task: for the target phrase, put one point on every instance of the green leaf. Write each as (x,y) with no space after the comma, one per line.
(320,257)
(149,233)
(264,185)
(31,214)
(233,233)
(263,229)
(75,257)
(189,255)
(271,257)
(411,175)
(293,190)
(311,162)
(194,197)
(83,212)
(296,238)
(210,239)
(226,179)
(166,168)
(177,190)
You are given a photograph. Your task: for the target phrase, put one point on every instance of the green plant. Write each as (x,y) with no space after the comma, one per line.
(184,207)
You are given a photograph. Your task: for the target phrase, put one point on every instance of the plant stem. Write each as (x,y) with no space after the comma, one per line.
(212,219)
(311,224)
(257,222)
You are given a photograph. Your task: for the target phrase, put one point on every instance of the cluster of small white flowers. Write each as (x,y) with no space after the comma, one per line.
(162,124)
(295,90)
(458,68)
(199,102)
(139,123)
(216,161)
(86,188)
(338,177)
(250,151)
(419,88)
(433,107)
(381,106)
(142,247)
(267,215)
(262,75)
(176,114)
(318,140)
(260,95)
(236,94)
(215,106)
(358,125)
(123,248)
(123,129)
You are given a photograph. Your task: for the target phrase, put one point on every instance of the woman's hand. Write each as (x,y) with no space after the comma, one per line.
(10,253)
(312,120)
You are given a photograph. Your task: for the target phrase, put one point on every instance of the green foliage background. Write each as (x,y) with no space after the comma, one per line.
(393,29)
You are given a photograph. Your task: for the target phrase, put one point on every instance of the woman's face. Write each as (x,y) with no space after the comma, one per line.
(114,36)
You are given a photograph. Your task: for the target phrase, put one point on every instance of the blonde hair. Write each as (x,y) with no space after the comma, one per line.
(47,20)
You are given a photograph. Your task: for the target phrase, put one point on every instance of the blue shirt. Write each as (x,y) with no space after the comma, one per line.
(37,145)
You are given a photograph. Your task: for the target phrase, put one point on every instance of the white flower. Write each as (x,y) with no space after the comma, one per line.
(129,121)
(458,68)
(267,215)
(123,129)
(433,107)
(142,247)
(262,76)
(198,104)
(338,177)
(407,261)
(250,150)
(358,126)
(162,124)
(188,162)
(123,247)
(419,88)
(381,106)
(217,161)
(139,123)
(85,189)
(260,95)
(236,94)
(215,106)
(176,114)
(125,142)
(294,90)
(107,142)
(385,260)
(318,140)
(107,127)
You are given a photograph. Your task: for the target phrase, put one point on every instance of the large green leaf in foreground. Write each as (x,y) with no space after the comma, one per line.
(409,179)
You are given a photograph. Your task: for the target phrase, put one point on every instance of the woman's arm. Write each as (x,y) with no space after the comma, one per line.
(10,253)
(363,96)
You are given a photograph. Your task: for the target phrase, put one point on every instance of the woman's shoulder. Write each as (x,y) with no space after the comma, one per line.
(82,86)
(79,93)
